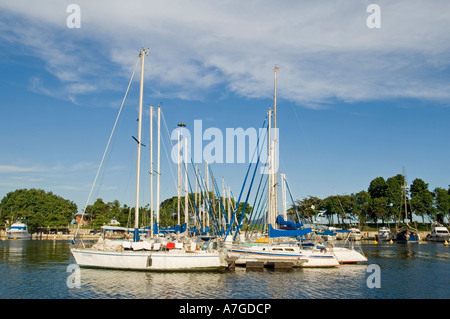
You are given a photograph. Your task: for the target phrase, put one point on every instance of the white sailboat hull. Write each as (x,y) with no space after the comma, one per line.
(300,258)
(150,260)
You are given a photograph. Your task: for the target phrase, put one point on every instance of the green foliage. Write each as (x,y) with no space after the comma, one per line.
(421,198)
(442,203)
(383,200)
(37,207)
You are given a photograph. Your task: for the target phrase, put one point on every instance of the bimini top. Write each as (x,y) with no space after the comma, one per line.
(17,226)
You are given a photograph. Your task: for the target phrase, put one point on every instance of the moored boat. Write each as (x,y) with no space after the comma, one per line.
(147,253)
(439,233)
(18,230)
(283,253)
(384,234)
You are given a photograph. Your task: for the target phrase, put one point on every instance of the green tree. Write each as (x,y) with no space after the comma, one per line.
(39,208)
(362,208)
(377,208)
(307,207)
(421,199)
(330,206)
(441,203)
(377,188)
(378,191)
(394,196)
(98,212)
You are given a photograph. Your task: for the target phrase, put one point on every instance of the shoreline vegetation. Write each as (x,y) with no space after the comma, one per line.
(382,204)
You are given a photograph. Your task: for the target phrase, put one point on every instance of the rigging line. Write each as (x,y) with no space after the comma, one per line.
(256,198)
(218,195)
(260,218)
(107,145)
(202,187)
(233,219)
(195,204)
(207,202)
(292,199)
(250,187)
(165,149)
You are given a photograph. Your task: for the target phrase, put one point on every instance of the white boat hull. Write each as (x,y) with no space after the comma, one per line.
(19,235)
(150,260)
(438,238)
(348,256)
(301,258)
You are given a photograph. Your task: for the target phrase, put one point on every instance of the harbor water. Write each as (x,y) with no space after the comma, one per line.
(43,269)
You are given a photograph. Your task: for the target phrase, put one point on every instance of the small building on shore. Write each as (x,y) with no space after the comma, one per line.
(82,219)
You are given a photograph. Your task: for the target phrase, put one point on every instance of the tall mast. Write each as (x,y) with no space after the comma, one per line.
(196,200)
(179,176)
(270,178)
(275,139)
(207,193)
(158,176)
(180,171)
(151,170)
(186,193)
(405,187)
(141,94)
(229,207)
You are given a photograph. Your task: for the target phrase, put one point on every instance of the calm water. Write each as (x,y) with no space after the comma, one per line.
(37,269)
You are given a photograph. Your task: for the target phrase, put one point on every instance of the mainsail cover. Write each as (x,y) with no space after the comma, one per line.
(287,224)
(288,232)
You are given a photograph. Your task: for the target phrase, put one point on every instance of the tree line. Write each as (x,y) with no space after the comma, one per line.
(385,200)
(42,209)
(38,208)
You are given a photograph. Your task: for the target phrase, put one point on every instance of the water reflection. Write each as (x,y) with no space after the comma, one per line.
(100,283)
(38,269)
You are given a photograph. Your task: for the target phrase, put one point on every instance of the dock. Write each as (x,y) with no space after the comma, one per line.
(83,234)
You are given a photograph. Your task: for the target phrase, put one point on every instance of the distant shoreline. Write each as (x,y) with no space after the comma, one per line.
(367,236)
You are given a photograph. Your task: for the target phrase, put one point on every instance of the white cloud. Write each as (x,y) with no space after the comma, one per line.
(19,169)
(324,49)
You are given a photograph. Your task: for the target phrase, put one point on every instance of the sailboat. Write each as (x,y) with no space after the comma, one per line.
(153,254)
(405,233)
(278,249)
(346,253)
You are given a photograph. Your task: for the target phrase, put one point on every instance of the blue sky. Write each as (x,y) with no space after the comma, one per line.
(354,103)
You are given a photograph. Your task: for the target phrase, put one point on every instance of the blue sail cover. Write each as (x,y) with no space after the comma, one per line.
(287,224)
(288,232)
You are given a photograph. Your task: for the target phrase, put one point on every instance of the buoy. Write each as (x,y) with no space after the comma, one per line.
(391,242)
(375,242)
(446,243)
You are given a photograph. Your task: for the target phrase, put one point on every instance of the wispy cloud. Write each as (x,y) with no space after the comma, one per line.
(324,49)
(19,169)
